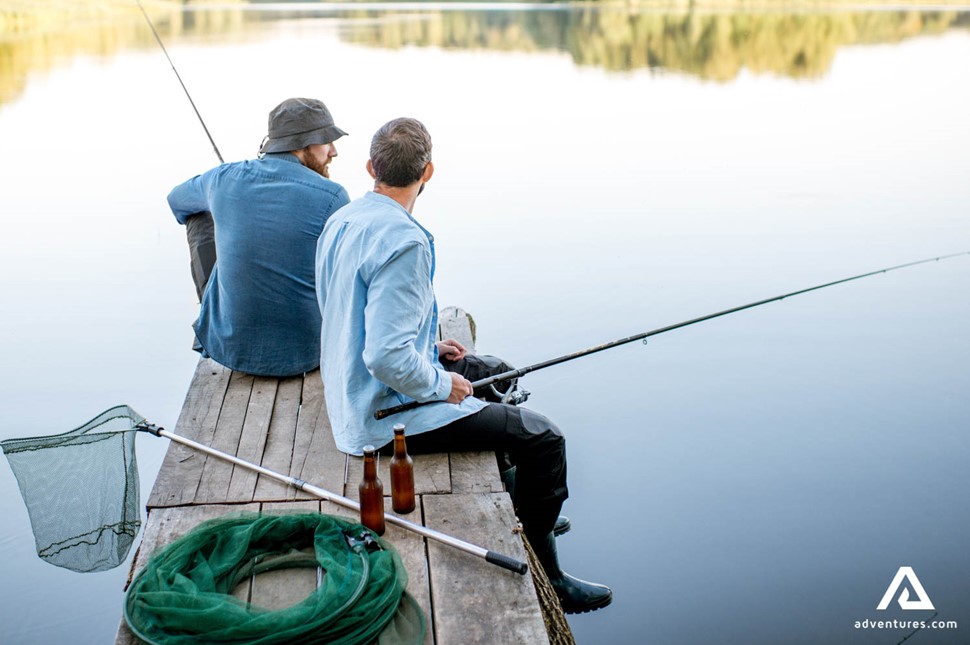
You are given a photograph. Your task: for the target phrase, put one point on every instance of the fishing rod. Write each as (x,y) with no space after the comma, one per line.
(511,374)
(179,77)
(492,557)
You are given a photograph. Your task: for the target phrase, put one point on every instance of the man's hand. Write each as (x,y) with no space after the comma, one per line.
(451,350)
(461,387)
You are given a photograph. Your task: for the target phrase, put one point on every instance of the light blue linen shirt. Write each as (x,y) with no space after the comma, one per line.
(374,271)
(259,311)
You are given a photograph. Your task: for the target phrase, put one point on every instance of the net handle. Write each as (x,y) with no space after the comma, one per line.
(492,557)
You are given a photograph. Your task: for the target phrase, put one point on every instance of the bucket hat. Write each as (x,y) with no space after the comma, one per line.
(297,123)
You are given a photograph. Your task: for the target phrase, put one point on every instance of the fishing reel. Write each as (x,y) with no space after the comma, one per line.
(504,391)
(513,395)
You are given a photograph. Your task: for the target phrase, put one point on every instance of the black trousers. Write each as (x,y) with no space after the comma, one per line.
(200,234)
(533,443)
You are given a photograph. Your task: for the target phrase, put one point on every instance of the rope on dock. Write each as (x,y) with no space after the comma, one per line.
(552,614)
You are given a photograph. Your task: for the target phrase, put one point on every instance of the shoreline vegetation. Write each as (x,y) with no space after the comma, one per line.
(16,15)
(711,39)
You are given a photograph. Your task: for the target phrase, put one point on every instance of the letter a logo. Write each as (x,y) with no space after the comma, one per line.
(906,573)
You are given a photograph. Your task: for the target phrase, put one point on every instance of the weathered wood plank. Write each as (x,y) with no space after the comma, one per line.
(475,472)
(283,425)
(431,474)
(252,442)
(454,322)
(181,470)
(474,601)
(276,590)
(278,453)
(283,508)
(216,473)
(315,456)
(164,526)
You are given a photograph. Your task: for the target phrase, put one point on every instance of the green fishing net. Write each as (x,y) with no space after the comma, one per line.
(81,490)
(182,595)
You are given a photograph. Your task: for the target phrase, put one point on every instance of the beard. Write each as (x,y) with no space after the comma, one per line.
(322,169)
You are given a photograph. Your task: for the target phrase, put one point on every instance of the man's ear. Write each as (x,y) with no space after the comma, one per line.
(428,171)
(370,170)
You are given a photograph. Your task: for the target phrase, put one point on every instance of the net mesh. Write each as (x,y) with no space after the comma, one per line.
(182,595)
(82,495)
(81,490)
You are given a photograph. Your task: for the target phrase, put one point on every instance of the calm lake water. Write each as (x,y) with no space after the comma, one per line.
(759,478)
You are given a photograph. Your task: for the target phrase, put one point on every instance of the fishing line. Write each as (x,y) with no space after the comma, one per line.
(512,374)
(179,77)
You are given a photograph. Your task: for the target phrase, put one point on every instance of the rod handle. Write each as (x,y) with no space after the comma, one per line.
(506,562)
(386,412)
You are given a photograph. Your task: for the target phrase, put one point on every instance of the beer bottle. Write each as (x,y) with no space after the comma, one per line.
(402,474)
(371,494)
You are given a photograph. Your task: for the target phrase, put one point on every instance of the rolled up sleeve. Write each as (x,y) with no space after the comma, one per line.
(189,198)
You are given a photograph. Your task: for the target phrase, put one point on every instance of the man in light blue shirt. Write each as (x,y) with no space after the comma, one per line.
(259,311)
(374,270)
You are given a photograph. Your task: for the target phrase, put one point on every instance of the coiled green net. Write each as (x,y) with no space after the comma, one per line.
(183,594)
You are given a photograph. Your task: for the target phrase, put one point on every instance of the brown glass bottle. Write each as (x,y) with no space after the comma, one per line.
(402,474)
(371,494)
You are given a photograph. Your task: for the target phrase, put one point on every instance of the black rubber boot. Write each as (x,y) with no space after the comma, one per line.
(563,525)
(576,596)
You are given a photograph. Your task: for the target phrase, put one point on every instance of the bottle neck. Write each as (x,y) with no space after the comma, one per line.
(400,448)
(370,468)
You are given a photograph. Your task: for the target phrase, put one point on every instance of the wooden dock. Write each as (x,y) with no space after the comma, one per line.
(282,425)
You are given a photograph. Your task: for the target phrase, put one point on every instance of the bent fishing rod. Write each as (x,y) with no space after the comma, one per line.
(492,557)
(511,374)
(158,39)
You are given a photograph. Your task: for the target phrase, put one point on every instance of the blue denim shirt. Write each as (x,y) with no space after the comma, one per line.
(374,268)
(259,312)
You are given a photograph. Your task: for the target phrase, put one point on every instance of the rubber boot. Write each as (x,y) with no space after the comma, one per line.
(576,596)
(563,525)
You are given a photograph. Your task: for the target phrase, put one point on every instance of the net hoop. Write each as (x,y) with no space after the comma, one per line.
(81,490)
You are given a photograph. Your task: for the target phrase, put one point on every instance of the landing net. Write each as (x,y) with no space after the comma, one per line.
(81,490)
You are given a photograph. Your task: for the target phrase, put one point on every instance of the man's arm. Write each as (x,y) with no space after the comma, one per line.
(399,298)
(189,198)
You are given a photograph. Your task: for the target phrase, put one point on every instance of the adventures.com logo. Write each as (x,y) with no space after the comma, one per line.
(899,589)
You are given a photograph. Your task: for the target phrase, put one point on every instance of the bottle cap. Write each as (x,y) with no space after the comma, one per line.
(368,449)
(398,427)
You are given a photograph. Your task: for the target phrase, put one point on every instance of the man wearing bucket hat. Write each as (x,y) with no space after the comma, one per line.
(252,228)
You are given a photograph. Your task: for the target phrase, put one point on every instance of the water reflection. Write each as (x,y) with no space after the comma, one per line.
(709,45)
(706,44)
(36,40)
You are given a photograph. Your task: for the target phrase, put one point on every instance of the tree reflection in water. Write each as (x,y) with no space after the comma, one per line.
(713,45)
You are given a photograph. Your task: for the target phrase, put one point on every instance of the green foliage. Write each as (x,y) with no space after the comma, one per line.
(710,41)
